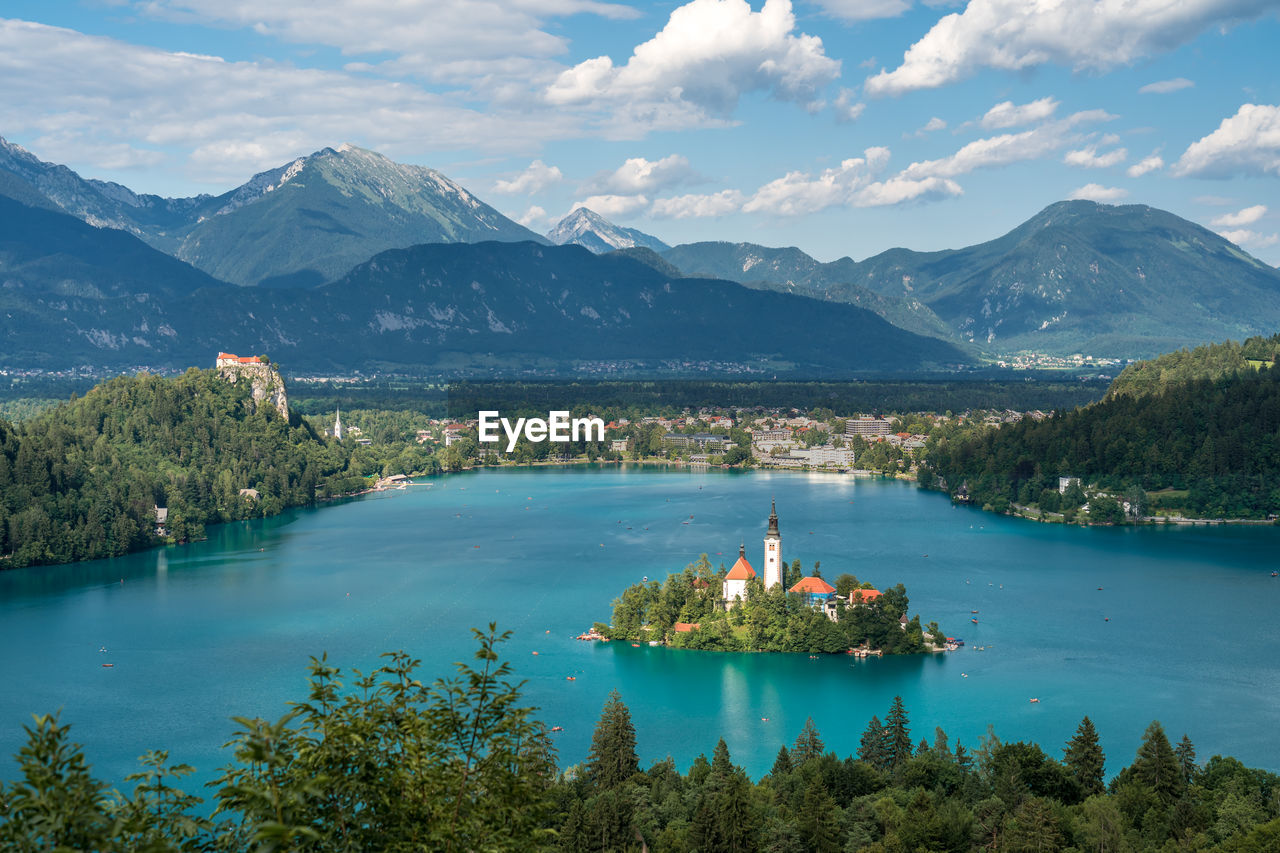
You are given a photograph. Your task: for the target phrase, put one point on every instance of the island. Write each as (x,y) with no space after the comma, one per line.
(780,610)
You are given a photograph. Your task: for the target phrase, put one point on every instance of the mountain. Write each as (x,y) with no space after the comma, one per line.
(501,309)
(586,228)
(100,203)
(792,271)
(1080,276)
(71,293)
(303,223)
(311,220)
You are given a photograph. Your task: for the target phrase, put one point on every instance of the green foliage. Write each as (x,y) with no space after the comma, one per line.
(391,764)
(81,480)
(612,760)
(1084,758)
(395,764)
(1216,441)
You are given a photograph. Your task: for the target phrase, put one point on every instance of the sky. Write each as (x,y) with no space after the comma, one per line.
(843,127)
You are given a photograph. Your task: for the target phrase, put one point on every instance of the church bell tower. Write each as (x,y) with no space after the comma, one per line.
(772,550)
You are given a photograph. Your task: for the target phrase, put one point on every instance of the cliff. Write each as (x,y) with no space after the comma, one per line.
(266,382)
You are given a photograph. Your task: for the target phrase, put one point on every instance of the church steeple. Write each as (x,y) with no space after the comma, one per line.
(337,424)
(772,550)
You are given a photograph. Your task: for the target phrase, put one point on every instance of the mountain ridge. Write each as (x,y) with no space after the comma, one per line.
(586,228)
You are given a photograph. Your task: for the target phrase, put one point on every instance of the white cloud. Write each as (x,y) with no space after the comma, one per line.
(1007,114)
(537,177)
(933,124)
(612,205)
(1097,192)
(901,188)
(863,10)
(439,39)
(799,192)
(698,205)
(1252,239)
(1007,147)
(1247,143)
(638,175)
(1089,158)
(854,183)
(847,109)
(1164,87)
(77,96)
(533,216)
(1145,165)
(709,54)
(1091,35)
(1248,216)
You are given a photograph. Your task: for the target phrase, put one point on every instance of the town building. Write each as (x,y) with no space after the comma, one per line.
(815,590)
(867,425)
(699,440)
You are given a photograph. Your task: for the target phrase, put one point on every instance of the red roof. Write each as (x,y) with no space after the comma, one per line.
(741,571)
(868,595)
(701,583)
(686,627)
(813,586)
(242,359)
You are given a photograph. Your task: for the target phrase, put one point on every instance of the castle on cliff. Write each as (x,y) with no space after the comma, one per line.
(264,379)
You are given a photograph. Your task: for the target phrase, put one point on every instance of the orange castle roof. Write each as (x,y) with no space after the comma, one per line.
(241,359)
(741,571)
(813,586)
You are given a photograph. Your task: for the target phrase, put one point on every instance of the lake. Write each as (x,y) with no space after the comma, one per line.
(1182,629)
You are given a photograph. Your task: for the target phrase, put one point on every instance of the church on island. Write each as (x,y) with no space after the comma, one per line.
(818,591)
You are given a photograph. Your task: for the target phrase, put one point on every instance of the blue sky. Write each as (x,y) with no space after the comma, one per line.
(844,127)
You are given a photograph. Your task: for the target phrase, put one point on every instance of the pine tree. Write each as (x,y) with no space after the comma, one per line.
(1186,754)
(1156,766)
(897,736)
(940,743)
(963,761)
(871,746)
(808,744)
(781,764)
(923,747)
(1084,758)
(721,766)
(815,819)
(613,758)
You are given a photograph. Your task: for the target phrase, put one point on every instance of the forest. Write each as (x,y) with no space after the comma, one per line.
(385,761)
(82,480)
(768,621)
(1178,431)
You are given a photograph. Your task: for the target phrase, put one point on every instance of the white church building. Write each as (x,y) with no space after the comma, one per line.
(735,583)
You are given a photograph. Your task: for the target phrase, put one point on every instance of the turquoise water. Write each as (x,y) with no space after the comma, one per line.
(224,627)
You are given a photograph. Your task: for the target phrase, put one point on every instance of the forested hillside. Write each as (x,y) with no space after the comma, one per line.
(82,480)
(1206,362)
(1202,428)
